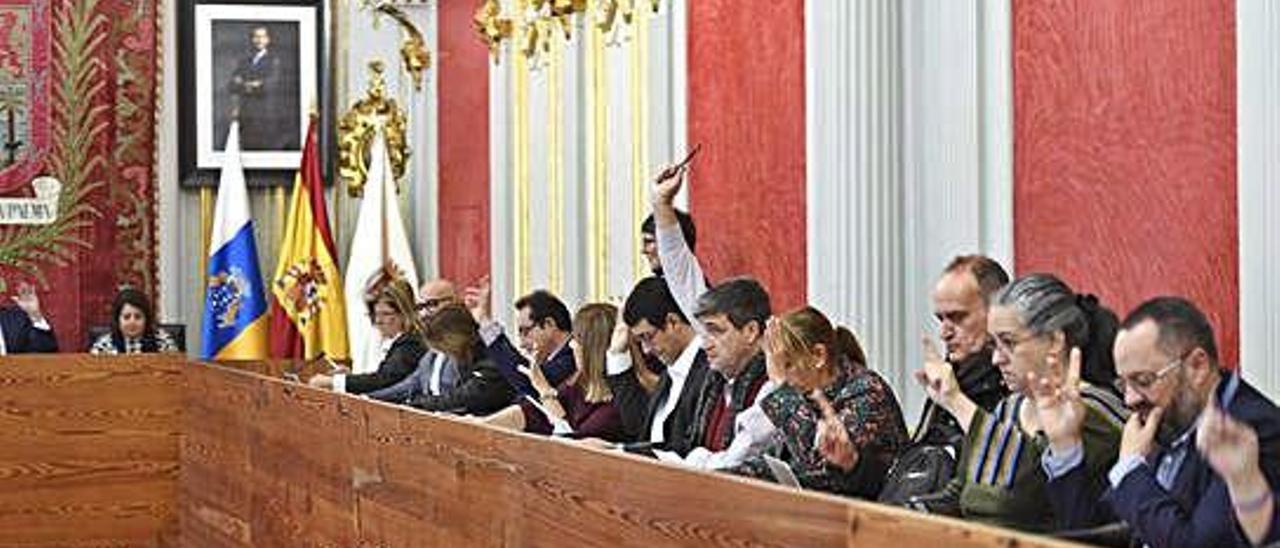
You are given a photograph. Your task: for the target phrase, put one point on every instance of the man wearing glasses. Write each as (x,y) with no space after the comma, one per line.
(435,295)
(1168,368)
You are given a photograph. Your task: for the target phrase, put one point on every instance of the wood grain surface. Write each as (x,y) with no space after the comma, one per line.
(90,450)
(270,463)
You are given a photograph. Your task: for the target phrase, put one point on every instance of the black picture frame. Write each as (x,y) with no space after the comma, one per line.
(210,55)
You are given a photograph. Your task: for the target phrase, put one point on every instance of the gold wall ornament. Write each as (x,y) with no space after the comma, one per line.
(413,49)
(493,27)
(357,127)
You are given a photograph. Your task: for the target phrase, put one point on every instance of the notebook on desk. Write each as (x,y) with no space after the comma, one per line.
(782,472)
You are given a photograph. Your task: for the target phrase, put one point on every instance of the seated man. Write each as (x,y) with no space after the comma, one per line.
(730,319)
(960,300)
(650,317)
(23,328)
(1161,484)
(733,315)
(436,294)
(545,328)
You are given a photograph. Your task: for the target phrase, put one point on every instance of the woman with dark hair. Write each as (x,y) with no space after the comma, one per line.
(478,387)
(1048,339)
(838,423)
(393,310)
(583,406)
(133,327)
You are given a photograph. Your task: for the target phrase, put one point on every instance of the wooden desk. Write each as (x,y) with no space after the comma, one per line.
(270,463)
(89,449)
(155,451)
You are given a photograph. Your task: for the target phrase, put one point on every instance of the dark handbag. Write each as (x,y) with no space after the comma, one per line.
(923,468)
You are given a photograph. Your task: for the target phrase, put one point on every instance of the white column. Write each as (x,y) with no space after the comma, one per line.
(170,307)
(664,121)
(502,184)
(855,218)
(1258,131)
(424,126)
(909,162)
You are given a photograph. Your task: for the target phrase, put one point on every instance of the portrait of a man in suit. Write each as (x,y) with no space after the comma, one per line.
(256,74)
(252,85)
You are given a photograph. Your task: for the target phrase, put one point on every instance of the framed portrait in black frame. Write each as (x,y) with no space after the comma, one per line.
(261,63)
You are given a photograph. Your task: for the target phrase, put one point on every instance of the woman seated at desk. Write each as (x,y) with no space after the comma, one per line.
(133,328)
(393,311)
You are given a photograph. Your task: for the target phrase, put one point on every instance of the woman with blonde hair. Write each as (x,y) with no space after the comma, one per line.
(583,406)
(393,310)
(838,423)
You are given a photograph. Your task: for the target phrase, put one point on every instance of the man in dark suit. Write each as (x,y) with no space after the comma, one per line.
(23,327)
(544,327)
(254,88)
(1161,485)
(653,324)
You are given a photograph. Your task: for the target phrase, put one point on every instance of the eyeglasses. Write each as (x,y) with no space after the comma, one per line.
(1143,381)
(428,304)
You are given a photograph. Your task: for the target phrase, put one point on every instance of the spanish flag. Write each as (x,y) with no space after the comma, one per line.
(308,312)
(235,308)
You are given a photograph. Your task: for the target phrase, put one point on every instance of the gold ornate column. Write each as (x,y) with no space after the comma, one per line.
(599,209)
(520,159)
(639,132)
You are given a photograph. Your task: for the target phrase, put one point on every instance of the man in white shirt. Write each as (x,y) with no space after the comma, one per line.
(23,327)
(653,323)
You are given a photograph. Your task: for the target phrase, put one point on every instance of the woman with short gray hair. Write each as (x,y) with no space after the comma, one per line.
(1048,339)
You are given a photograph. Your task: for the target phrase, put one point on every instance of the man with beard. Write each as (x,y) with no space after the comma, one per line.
(1161,485)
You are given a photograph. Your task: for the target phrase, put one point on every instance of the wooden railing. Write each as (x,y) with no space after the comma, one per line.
(266,462)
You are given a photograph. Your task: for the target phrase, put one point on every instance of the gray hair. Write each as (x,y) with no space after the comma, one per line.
(1046,304)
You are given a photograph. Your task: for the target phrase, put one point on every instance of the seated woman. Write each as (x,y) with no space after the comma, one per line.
(1049,343)
(469,382)
(838,423)
(133,328)
(393,310)
(583,406)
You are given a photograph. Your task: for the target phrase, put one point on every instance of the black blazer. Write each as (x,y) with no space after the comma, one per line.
(639,408)
(21,336)
(400,362)
(481,389)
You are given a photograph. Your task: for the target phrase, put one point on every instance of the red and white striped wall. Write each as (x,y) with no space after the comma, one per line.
(851,148)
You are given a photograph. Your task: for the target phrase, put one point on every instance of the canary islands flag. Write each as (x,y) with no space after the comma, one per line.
(235,320)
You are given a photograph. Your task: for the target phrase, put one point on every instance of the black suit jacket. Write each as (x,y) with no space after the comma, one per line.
(400,362)
(480,390)
(639,408)
(21,336)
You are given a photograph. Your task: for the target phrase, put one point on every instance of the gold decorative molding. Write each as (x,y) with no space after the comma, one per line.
(413,49)
(357,127)
(493,27)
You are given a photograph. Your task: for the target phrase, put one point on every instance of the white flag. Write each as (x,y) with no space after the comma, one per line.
(379,237)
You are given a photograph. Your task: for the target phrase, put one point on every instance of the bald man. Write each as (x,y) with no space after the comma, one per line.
(436,294)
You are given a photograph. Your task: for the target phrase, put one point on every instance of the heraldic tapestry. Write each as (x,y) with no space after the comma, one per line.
(77,154)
